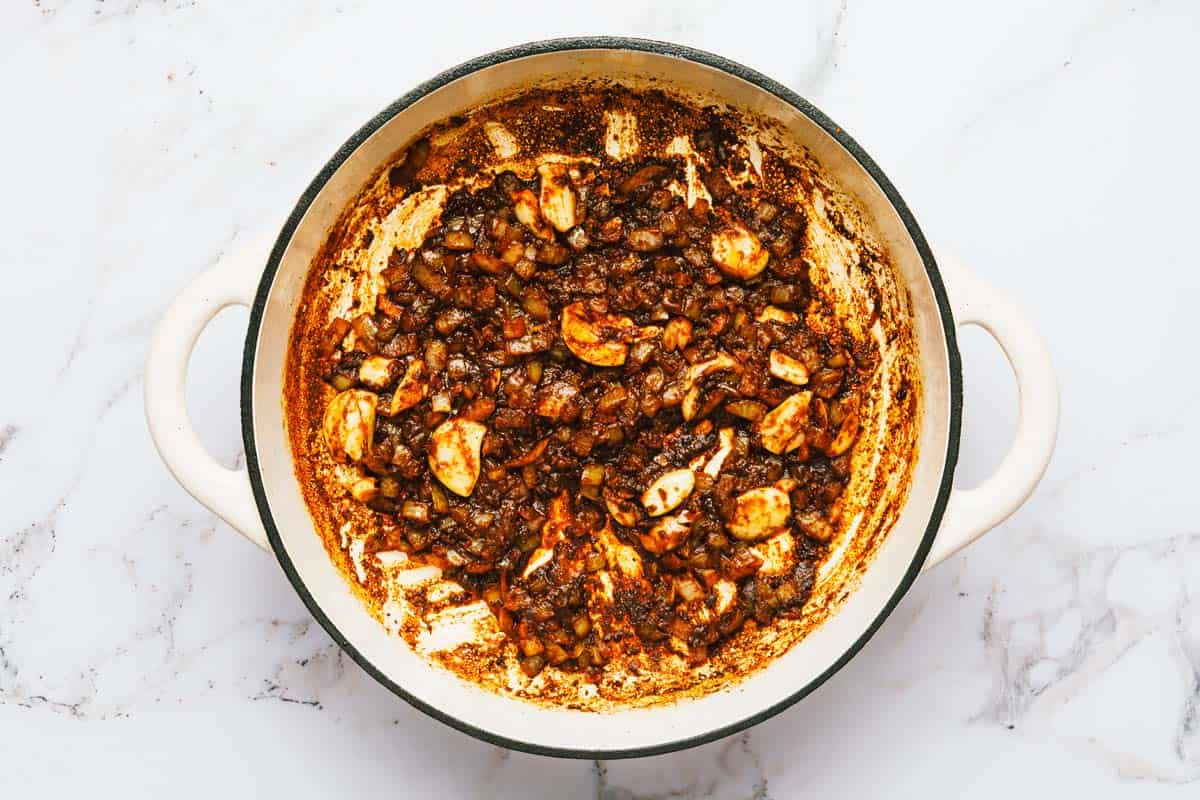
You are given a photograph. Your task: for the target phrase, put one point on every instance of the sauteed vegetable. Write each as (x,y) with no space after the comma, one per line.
(619,420)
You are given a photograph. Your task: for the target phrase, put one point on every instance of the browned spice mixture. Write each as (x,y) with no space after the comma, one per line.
(585,401)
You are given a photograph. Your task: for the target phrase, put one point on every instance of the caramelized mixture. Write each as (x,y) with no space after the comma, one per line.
(602,411)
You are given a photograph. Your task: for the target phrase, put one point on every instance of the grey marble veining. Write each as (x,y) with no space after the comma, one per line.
(145,646)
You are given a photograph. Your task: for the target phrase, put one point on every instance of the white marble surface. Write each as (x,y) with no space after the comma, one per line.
(145,647)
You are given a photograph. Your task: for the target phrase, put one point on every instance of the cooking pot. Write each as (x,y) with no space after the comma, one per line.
(264,501)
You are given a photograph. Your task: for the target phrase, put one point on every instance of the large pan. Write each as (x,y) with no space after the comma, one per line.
(264,501)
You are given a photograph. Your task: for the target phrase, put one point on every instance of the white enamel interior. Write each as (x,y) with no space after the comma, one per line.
(524,722)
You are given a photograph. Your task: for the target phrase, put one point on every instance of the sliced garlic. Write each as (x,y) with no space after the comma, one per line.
(668,491)
(557,201)
(782,429)
(788,369)
(620,556)
(378,372)
(738,252)
(528,213)
(599,339)
(691,403)
(349,424)
(846,433)
(691,379)
(719,362)
(669,532)
(777,314)
(538,558)
(760,513)
(454,454)
(627,561)
(777,554)
(623,512)
(411,390)
(724,448)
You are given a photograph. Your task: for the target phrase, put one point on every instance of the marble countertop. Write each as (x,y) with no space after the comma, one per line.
(144,646)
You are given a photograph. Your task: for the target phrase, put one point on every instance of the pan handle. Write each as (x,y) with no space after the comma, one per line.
(972,512)
(231,281)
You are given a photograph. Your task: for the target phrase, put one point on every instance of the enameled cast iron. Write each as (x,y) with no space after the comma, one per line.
(265,504)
